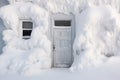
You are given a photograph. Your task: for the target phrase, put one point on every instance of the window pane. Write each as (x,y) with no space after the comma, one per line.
(27,24)
(62,22)
(27,32)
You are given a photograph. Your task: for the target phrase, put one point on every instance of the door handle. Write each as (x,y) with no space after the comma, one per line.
(53,47)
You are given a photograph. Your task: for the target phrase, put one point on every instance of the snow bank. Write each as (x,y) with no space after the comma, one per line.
(25,56)
(97,36)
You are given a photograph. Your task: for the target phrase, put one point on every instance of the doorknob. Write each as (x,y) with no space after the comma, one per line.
(53,47)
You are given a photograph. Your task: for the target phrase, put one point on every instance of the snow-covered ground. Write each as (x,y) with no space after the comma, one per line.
(107,71)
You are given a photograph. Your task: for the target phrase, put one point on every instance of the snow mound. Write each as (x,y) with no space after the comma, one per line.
(25,56)
(97,36)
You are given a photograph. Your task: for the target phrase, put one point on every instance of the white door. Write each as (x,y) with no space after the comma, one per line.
(62,43)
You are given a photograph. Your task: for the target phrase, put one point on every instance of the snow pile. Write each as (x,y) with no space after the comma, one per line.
(97,36)
(25,56)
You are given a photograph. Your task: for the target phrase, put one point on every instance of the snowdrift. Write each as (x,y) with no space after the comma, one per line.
(25,56)
(97,36)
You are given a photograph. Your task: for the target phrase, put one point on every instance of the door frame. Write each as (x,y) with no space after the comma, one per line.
(62,16)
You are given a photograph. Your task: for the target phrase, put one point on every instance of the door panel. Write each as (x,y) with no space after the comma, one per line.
(62,42)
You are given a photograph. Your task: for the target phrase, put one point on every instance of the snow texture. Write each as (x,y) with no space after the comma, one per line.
(108,71)
(25,56)
(74,5)
(97,36)
(97,33)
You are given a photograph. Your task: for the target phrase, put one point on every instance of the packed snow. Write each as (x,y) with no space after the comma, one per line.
(97,34)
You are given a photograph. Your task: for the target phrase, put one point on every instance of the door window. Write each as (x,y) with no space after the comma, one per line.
(63,23)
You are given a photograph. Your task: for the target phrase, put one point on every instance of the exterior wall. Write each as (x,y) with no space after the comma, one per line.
(1,37)
(2,3)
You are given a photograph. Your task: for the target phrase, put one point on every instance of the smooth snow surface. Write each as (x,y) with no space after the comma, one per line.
(107,71)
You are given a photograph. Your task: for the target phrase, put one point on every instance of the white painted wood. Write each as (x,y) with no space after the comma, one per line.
(62,42)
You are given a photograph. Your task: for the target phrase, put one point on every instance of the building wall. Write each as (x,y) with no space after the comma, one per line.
(2,3)
(1,36)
